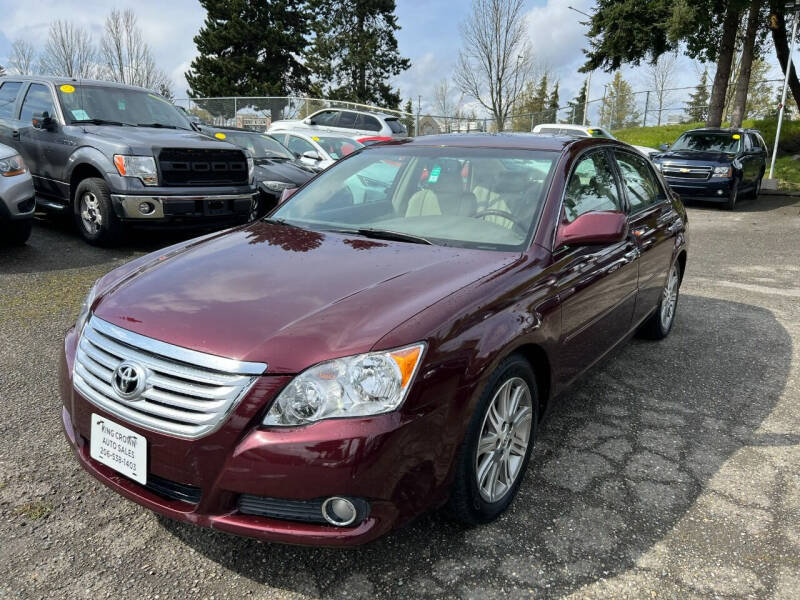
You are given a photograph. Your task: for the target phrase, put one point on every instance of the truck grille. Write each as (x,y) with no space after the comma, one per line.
(686,172)
(184,393)
(189,166)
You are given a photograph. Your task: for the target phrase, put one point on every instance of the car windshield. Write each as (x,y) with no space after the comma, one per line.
(259,145)
(118,105)
(464,197)
(704,142)
(337,147)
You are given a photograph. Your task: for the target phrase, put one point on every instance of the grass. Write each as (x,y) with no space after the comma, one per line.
(34,510)
(787,170)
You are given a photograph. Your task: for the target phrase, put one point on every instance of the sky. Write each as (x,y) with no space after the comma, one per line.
(429,36)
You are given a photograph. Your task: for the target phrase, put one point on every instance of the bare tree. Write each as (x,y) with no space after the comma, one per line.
(496,59)
(125,56)
(444,105)
(69,51)
(23,56)
(660,76)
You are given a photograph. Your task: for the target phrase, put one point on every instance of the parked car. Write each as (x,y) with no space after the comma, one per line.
(276,167)
(17,200)
(114,155)
(317,150)
(373,139)
(717,165)
(350,123)
(583,131)
(332,371)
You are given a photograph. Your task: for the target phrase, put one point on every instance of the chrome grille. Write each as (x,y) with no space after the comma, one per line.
(187,393)
(676,171)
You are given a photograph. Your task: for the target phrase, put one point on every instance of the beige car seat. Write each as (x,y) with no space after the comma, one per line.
(445,197)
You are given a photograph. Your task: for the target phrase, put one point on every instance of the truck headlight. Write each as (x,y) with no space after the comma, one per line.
(86,309)
(355,386)
(251,167)
(722,172)
(141,167)
(13,165)
(277,186)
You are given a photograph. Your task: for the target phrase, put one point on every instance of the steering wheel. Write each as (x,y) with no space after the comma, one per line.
(496,212)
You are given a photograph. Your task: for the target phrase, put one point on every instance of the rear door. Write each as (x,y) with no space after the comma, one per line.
(9,131)
(597,284)
(654,224)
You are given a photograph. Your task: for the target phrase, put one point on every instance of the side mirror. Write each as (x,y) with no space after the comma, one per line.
(311,155)
(308,121)
(664,147)
(593,228)
(43,121)
(286,194)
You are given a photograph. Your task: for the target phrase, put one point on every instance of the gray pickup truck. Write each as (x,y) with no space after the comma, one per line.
(114,155)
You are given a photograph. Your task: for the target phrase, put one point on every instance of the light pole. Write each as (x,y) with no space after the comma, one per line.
(589,78)
(791,8)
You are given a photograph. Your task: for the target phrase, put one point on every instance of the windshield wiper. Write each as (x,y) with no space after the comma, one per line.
(158,125)
(100,122)
(386,234)
(280,222)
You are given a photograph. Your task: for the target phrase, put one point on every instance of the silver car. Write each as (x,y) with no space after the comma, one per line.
(17,198)
(350,123)
(317,149)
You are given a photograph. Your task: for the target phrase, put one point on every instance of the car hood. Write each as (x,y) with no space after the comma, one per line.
(691,156)
(143,140)
(286,296)
(281,170)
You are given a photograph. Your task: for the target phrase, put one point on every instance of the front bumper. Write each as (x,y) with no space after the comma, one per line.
(166,208)
(17,200)
(393,461)
(718,190)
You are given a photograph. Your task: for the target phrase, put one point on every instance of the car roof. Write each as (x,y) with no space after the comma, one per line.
(57,80)
(723,130)
(522,141)
(362,112)
(311,133)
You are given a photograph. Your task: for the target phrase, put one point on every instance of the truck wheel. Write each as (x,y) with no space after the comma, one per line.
(94,214)
(756,189)
(731,204)
(18,232)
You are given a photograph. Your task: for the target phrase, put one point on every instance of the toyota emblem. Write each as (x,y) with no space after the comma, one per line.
(129,380)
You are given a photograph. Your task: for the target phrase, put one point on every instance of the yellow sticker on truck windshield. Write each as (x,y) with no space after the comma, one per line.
(736,136)
(220,136)
(67,88)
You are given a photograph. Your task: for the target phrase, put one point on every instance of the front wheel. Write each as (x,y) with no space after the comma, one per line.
(17,232)
(94,214)
(658,326)
(731,203)
(494,455)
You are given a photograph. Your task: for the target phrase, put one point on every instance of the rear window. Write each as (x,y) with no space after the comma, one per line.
(8,96)
(396,126)
(337,147)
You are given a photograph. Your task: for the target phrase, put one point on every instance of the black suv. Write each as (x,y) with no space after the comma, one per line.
(114,154)
(715,164)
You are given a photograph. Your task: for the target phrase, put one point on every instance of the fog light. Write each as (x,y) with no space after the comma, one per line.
(146,208)
(719,192)
(339,511)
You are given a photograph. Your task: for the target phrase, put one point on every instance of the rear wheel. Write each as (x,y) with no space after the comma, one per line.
(94,214)
(756,188)
(494,455)
(17,232)
(658,326)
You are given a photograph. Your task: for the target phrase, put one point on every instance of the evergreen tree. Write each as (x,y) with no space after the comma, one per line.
(619,108)
(697,107)
(250,49)
(408,120)
(539,101)
(355,50)
(2,71)
(552,105)
(577,106)
(760,103)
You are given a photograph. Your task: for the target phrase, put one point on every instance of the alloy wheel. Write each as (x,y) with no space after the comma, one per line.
(91,217)
(504,439)
(254,203)
(669,299)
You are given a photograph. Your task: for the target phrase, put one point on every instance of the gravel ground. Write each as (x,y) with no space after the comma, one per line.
(671,471)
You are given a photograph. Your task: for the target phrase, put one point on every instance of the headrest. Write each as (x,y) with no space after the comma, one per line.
(449,182)
(510,184)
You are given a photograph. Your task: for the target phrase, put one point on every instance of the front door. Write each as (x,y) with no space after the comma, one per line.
(596,284)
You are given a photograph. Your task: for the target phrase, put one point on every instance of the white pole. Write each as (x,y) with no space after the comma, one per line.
(586,99)
(789,64)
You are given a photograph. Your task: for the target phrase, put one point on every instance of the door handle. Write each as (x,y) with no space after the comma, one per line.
(15,134)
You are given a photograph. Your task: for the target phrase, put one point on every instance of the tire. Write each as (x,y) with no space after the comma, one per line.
(17,232)
(94,214)
(731,203)
(489,473)
(756,188)
(257,209)
(658,326)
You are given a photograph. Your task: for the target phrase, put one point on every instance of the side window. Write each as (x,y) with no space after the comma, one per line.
(8,96)
(591,187)
(368,123)
(299,145)
(347,120)
(327,117)
(753,139)
(38,99)
(640,181)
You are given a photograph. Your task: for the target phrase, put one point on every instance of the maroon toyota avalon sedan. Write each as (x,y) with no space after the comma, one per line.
(385,342)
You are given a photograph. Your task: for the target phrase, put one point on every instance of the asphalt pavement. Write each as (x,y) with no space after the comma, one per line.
(671,471)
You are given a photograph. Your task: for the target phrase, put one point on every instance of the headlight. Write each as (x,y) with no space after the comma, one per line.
(277,186)
(143,167)
(366,384)
(86,309)
(658,165)
(251,166)
(722,172)
(13,165)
